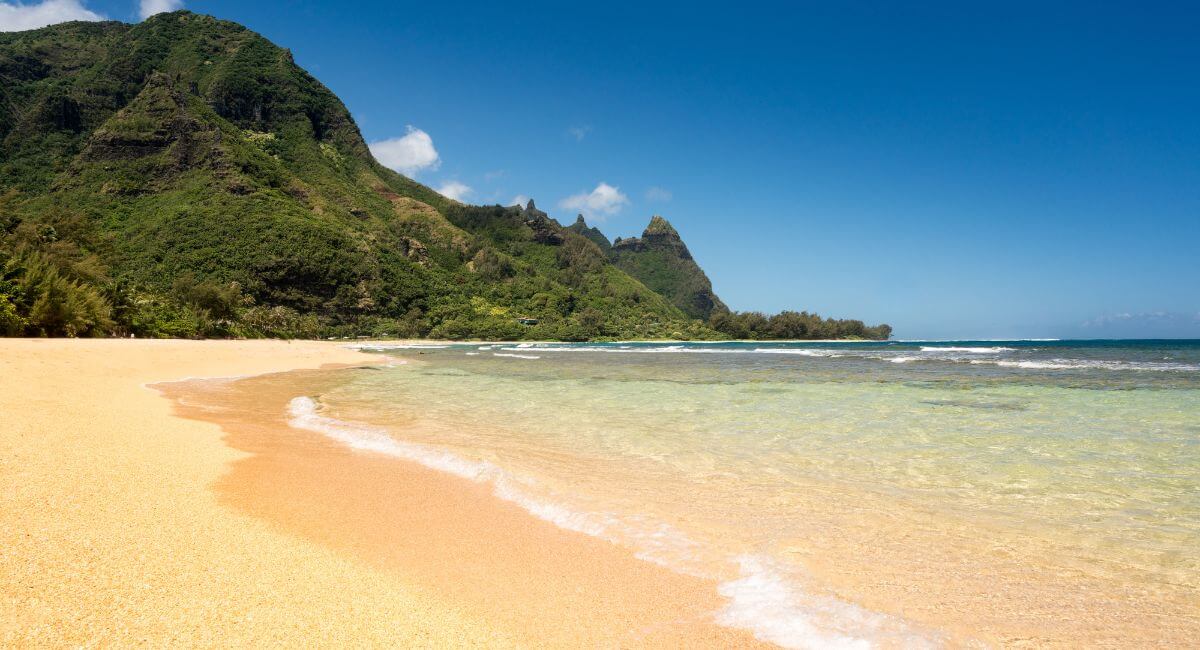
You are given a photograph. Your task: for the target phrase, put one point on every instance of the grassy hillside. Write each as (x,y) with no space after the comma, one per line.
(184,177)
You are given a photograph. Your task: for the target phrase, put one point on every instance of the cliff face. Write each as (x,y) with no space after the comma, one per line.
(661,261)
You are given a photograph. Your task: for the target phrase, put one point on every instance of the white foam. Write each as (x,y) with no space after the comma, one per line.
(803,352)
(764,601)
(396,346)
(1096,364)
(624,349)
(515,356)
(305,414)
(902,359)
(968,350)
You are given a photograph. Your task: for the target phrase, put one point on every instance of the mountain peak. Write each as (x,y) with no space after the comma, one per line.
(661,260)
(660,226)
(591,232)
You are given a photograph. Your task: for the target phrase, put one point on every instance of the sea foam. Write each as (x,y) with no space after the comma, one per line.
(766,602)
(968,350)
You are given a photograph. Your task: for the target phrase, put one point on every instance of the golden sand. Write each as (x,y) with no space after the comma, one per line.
(121,523)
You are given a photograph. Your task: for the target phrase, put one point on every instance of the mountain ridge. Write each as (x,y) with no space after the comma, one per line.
(184,177)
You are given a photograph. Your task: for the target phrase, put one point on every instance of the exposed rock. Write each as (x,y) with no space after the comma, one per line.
(545,229)
(415,251)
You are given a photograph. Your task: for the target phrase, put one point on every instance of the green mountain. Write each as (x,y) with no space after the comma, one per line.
(184,177)
(661,261)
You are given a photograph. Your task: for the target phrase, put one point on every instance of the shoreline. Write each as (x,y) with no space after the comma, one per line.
(540,583)
(182,515)
(112,534)
(125,520)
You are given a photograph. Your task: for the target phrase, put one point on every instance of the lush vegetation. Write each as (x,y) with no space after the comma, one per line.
(791,325)
(184,177)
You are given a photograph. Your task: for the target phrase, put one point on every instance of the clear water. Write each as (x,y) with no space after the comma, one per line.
(759,464)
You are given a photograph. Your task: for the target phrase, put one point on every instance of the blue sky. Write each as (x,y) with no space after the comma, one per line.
(955,169)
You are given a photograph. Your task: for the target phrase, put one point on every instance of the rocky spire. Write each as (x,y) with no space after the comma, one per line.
(660,227)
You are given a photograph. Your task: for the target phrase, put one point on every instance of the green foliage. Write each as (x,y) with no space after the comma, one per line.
(791,325)
(38,300)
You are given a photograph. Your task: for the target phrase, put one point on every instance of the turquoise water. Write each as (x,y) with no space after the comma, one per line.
(742,461)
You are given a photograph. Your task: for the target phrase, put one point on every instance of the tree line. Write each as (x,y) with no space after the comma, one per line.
(792,325)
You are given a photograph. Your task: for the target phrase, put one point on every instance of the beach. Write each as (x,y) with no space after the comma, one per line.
(123,523)
(1030,494)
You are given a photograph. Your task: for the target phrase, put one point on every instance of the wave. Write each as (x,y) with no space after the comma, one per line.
(975,355)
(1094,364)
(370,347)
(626,349)
(762,600)
(968,350)
(305,414)
(803,352)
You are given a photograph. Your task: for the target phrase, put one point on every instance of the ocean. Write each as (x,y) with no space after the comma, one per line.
(899,493)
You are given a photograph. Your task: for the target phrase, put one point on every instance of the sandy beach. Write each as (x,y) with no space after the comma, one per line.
(125,523)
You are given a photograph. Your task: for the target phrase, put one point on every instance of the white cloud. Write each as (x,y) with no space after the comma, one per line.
(408,154)
(519,199)
(601,202)
(455,190)
(493,175)
(658,194)
(148,8)
(579,132)
(16,16)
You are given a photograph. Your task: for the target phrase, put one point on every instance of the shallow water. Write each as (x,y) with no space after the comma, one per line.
(825,483)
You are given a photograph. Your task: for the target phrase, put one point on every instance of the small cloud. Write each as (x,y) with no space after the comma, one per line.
(658,194)
(18,17)
(408,154)
(455,190)
(147,8)
(579,132)
(493,175)
(601,202)
(519,199)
